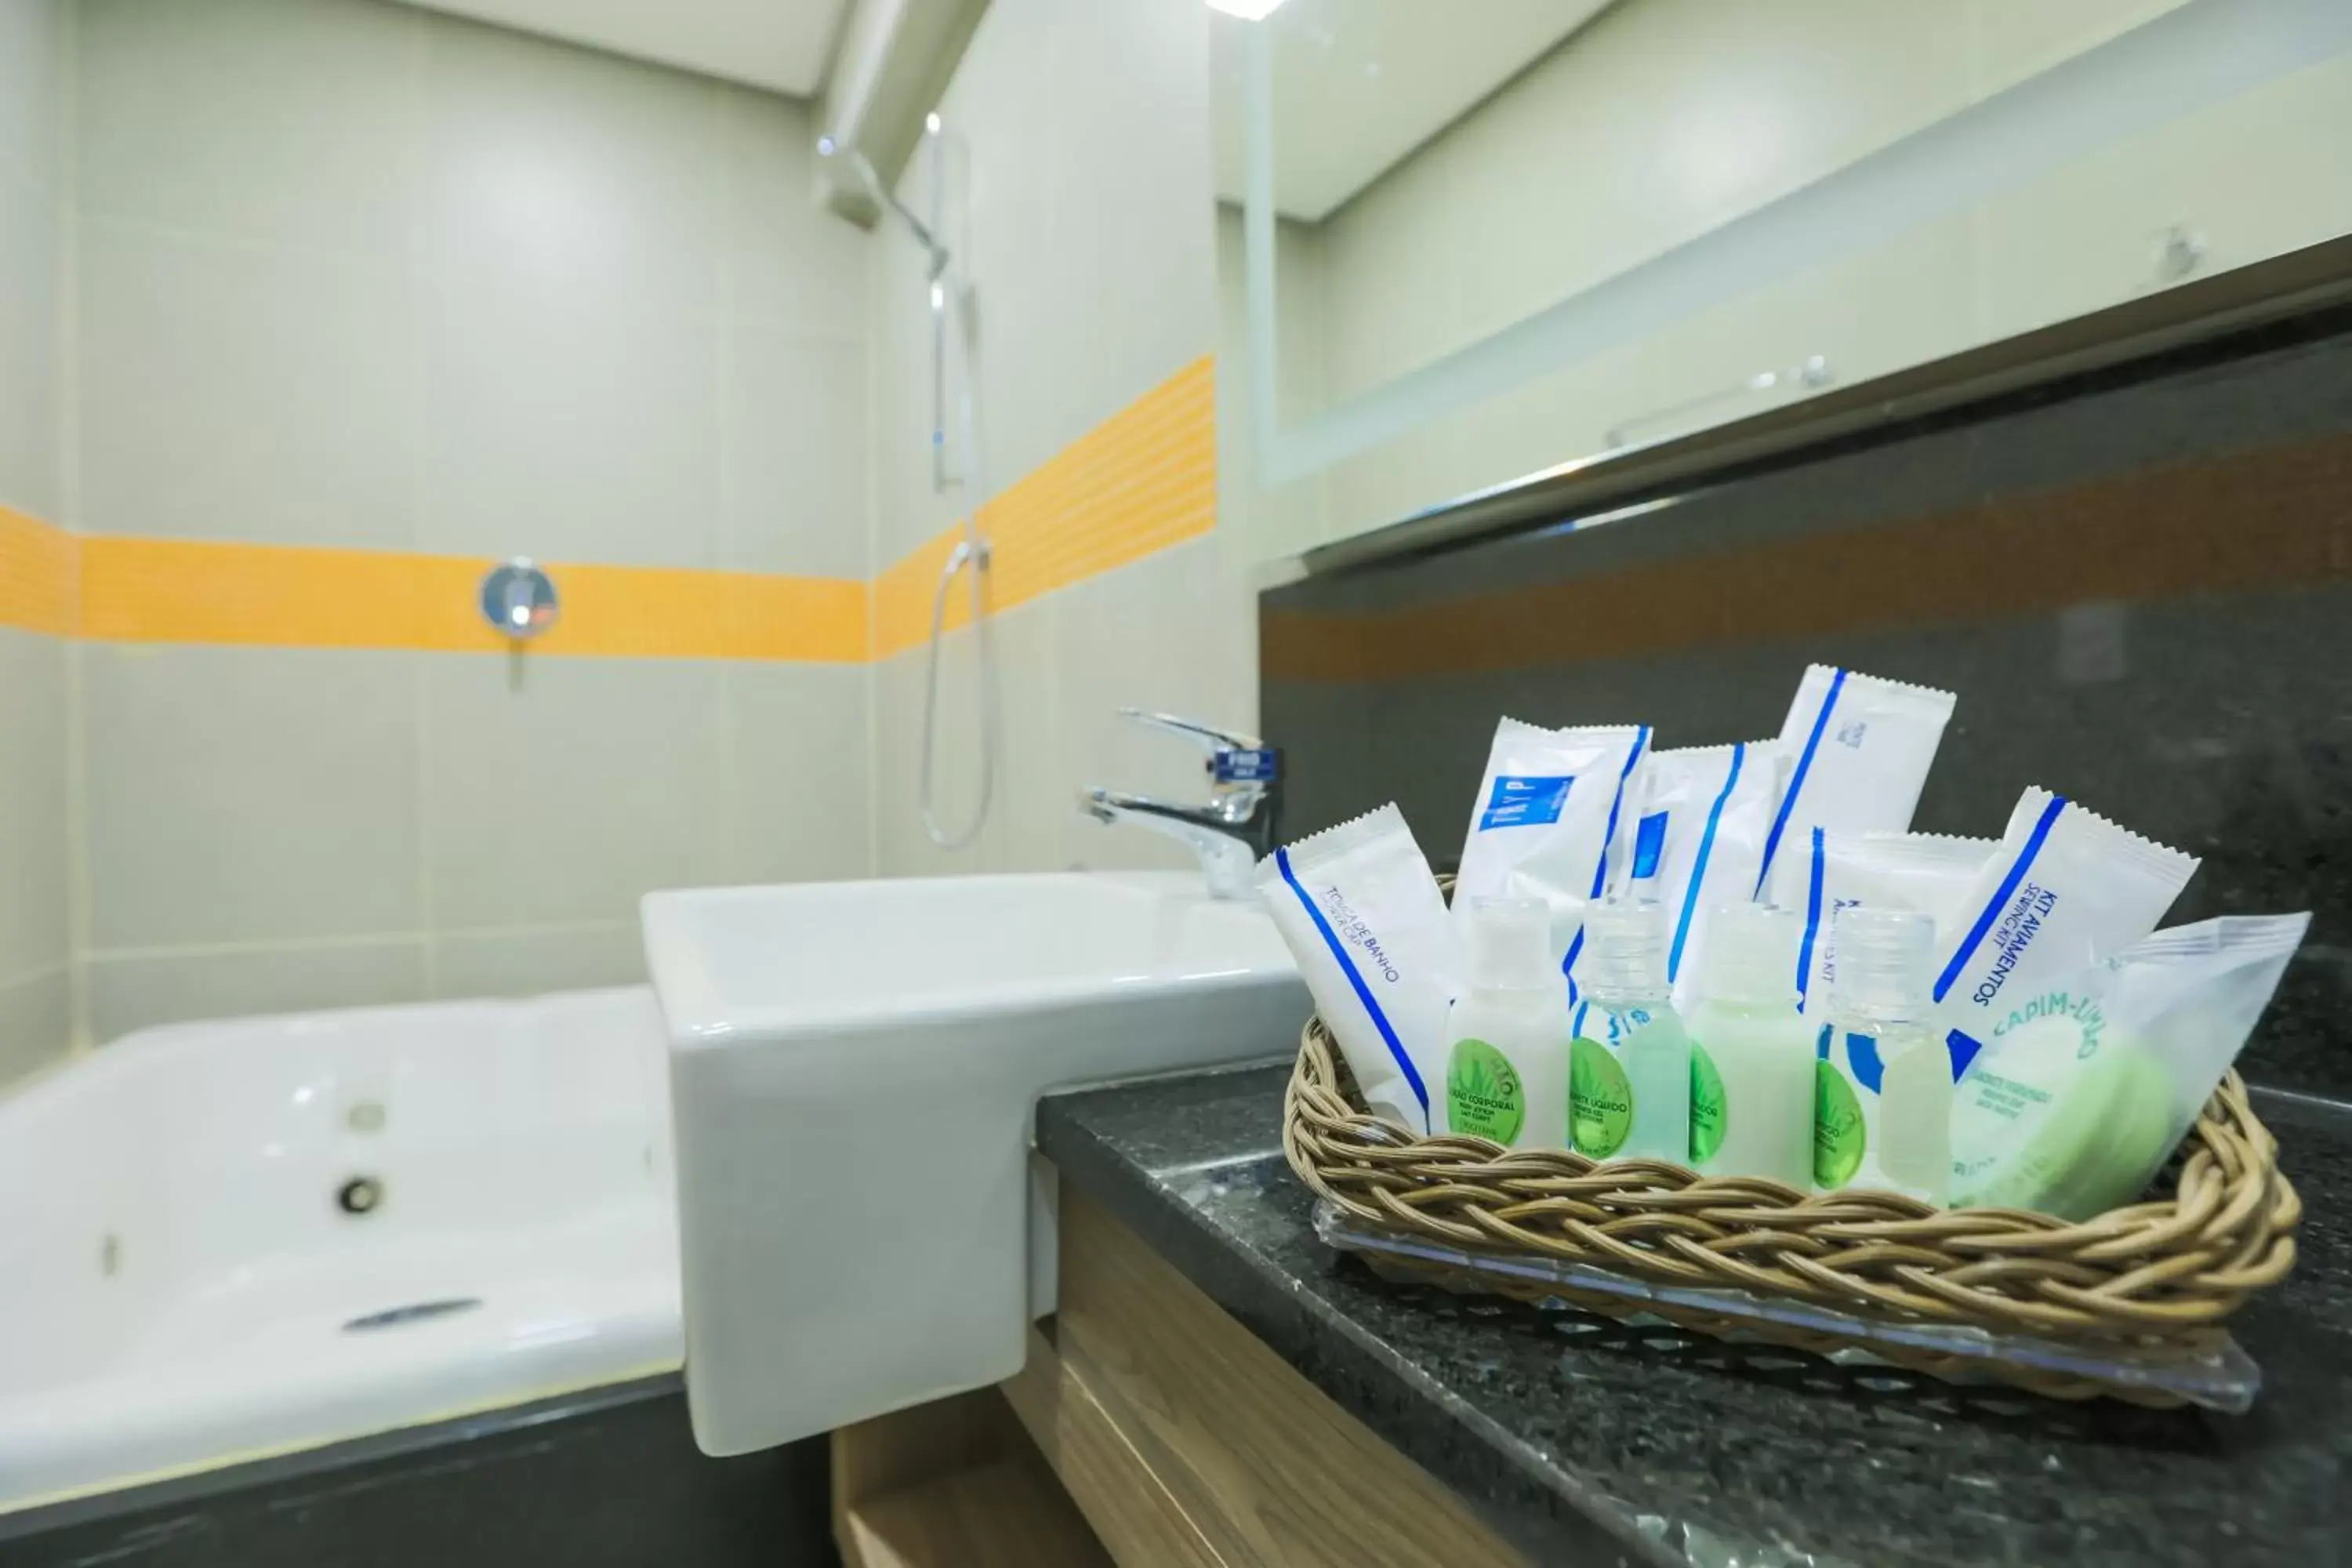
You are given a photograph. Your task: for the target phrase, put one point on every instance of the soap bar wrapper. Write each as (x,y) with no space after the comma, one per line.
(1860,747)
(1551,818)
(1364,920)
(1698,838)
(2067,888)
(2082,1094)
(1930,873)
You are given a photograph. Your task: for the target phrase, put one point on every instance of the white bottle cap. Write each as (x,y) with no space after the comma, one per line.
(1625,949)
(1885,959)
(1751,955)
(1510,944)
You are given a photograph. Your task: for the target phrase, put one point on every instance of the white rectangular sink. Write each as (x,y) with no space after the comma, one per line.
(854,1068)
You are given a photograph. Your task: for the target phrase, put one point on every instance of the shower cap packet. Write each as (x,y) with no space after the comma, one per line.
(1363,916)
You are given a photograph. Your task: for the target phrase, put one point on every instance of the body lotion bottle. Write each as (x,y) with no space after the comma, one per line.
(1631,1065)
(1883,1113)
(1752,1055)
(1507,1034)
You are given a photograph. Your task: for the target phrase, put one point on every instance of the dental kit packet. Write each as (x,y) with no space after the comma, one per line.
(1698,838)
(1551,817)
(2066,888)
(1363,916)
(2087,1086)
(1860,748)
(1928,873)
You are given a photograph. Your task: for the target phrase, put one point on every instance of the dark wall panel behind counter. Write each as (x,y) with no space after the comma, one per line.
(2140,587)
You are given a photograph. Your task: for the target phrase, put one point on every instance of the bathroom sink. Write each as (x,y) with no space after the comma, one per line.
(854,1068)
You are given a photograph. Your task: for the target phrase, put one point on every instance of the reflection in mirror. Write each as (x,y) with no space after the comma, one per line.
(1452,255)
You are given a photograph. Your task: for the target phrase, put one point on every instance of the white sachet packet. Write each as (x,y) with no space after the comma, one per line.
(2087,1086)
(1929,873)
(1698,837)
(2066,888)
(1550,819)
(1361,914)
(1860,748)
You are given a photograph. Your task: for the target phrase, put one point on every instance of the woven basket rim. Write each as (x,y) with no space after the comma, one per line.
(2173,1267)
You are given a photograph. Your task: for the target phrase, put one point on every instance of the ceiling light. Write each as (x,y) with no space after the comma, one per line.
(1247,10)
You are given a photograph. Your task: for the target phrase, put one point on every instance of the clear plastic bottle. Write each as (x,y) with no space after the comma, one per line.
(1507,1036)
(1630,1068)
(1752,1057)
(1883,1108)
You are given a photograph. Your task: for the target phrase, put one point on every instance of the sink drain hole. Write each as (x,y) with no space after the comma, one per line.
(359,1195)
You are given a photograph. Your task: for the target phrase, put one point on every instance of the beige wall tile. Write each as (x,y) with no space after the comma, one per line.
(32,805)
(235,392)
(1159,634)
(130,992)
(795,788)
(292,120)
(1036,798)
(786,263)
(30,37)
(249,794)
(795,459)
(565,795)
(568,175)
(30,347)
(1094,253)
(532,964)
(902,847)
(33,1024)
(568,431)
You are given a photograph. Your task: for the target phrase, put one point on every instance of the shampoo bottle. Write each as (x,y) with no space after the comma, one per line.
(1883,1107)
(1507,1034)
(1752,1057)
(1630,1068)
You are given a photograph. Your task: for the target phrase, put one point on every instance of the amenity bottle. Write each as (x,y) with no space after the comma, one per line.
(1507,1036)
(1630,1067)
(1752,1057)
(1883,1106)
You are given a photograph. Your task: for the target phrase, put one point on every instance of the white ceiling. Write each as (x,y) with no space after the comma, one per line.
(782,45)
(1358,84)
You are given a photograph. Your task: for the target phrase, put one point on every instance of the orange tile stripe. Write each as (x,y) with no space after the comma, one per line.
(38,565)
(1143,479)
(159,590)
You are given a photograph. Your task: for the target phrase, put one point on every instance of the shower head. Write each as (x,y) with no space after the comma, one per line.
(888,200)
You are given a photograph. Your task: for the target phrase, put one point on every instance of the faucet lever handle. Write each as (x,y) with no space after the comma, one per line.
(1208,737)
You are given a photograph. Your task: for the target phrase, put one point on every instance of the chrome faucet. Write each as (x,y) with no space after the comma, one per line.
(1235,830)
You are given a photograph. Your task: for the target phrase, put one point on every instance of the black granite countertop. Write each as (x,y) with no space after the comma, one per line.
(1586,1441)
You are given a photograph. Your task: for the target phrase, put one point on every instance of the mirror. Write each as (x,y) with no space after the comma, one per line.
(1453,256)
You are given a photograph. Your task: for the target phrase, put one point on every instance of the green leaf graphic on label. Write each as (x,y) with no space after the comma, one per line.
(1708,1107)
(1483,1096)
(1837,1127)
(1599,1101)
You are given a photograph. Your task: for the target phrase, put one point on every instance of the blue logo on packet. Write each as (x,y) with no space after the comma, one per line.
(1525,801)
(1649,841)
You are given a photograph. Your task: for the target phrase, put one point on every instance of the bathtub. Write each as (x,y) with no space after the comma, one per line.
(224,1240)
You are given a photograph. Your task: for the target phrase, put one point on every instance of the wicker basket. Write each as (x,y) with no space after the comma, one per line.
(2155,1280)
